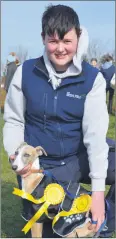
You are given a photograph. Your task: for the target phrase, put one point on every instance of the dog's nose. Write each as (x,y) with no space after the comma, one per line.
(14,167)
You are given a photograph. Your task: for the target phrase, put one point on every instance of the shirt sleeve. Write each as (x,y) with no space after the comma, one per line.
(95,125)
(14,110)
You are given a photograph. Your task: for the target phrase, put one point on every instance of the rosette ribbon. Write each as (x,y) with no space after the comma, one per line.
(80,205)
(53,195)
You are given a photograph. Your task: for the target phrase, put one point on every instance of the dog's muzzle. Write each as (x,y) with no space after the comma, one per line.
(15,167)
(24,170)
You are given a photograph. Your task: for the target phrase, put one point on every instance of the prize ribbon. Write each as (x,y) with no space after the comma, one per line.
(80,205)
(53,195)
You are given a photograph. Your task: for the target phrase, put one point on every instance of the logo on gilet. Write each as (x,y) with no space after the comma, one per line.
(68,94)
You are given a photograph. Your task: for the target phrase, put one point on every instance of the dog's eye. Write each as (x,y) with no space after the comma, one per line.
(16,153)
(26,155)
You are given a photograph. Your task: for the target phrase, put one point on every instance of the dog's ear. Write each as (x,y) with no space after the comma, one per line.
(40,151)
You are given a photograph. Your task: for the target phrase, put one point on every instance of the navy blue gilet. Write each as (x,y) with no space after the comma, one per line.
(108,74)
(53,118)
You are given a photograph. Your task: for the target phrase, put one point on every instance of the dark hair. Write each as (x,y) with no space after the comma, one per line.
(59,19)
(106,58)
(93,59)
(17,62)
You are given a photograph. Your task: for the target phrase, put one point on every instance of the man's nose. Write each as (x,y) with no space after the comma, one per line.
(14,167)
(60,47)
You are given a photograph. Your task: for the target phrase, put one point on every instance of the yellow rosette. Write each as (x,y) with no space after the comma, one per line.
(80,205)
(53,195)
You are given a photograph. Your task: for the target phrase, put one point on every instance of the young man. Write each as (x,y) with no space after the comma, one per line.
(58,101)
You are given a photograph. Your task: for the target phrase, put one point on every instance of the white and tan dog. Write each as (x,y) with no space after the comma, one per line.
(28,157)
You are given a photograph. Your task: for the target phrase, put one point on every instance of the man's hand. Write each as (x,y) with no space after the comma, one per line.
(97,210)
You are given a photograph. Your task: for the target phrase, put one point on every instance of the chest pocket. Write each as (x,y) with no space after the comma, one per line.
(72,105)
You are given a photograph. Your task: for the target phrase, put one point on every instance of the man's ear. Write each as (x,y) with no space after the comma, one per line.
(43,38)
(40,151)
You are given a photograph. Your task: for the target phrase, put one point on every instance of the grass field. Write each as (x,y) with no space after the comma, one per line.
(11,222)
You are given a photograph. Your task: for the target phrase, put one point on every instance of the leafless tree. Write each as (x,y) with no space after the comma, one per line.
(114,55)
(22,54)
(97,49)
(94,49)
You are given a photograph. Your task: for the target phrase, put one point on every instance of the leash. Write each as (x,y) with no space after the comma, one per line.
(49,174)
(72,196)
(101,228)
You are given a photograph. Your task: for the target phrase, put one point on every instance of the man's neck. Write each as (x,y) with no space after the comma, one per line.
(61,69)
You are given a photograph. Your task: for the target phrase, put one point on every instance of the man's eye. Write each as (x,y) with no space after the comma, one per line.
(26,155)
(53,41)
(67,41)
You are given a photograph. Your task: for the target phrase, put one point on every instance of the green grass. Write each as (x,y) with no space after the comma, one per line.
(11,222)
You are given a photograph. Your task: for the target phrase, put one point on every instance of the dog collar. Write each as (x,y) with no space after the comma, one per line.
(24,170)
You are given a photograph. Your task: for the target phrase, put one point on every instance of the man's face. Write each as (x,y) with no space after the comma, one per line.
(94,63)
(61,52)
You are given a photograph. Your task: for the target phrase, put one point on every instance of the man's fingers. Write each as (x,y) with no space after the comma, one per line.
(93,224)
(26,174)
(92,227)
(98,225)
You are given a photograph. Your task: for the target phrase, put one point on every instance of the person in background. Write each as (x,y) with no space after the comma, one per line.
(94,62)
(108,71)
(11,68)
(17,62)
(58,101)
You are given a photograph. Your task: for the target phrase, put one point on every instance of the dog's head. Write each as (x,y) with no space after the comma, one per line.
(25,156)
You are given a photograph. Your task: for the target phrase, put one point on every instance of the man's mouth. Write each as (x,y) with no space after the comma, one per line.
(60,56)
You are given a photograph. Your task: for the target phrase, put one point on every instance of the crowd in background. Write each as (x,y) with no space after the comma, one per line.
(107,68)
(10,68)
(105,65)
